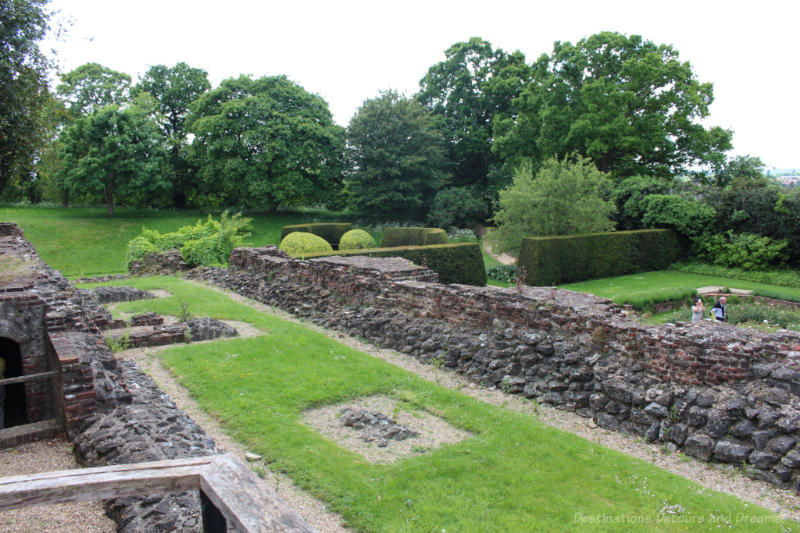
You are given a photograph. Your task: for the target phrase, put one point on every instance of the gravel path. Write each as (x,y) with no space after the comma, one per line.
(45,456)
(312,510)
(722,478)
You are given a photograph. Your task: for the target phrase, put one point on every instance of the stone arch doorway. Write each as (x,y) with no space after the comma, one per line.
(15,410)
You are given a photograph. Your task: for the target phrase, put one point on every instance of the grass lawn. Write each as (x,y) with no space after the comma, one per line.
(84,242)
(664,285)
(513,474)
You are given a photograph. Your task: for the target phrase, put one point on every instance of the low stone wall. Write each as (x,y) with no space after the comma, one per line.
(107,295)
(721,393)
(136,422)
(198,329)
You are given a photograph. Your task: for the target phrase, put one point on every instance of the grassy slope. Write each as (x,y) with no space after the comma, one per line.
(665,284)
(87,242)
(513,475)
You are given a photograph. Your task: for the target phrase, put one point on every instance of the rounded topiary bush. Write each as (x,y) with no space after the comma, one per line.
(357,239)
(299,244)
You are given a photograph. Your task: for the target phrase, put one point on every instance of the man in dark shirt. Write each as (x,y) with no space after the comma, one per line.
(720,313)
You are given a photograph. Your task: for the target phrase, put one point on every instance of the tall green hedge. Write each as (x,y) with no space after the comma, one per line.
(570,258)
(412,237)
(455,263)
(330,231)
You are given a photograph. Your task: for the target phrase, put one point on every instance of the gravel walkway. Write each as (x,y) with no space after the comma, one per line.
(45,456)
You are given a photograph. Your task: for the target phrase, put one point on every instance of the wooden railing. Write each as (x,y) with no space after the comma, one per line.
(229,491)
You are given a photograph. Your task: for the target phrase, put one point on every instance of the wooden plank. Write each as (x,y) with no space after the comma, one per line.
(246,501)
(29,377)
(86,484)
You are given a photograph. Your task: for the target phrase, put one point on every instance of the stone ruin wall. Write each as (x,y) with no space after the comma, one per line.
(717,392)
(113,412)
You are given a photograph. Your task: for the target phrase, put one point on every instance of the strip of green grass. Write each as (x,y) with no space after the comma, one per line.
(514,474)
(83,242)
(665,285)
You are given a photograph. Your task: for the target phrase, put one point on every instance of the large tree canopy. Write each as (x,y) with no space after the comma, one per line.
(265,143)
(112,153)
(628,104)
(175,88)
(23,86)
(93,86)
(396,158)
(473,86)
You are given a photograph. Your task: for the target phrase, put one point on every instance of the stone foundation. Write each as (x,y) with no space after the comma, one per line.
(718,392)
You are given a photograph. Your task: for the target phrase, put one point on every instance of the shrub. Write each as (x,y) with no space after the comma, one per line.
(357,239)
(138,248)
(205,243)
(455,263)
(456,206)
(746,250)
(504,273)
(330,231)
(564,198)
(205,251)
(461,235)
(571,258)
(687,217)
(393,237)
(302,244)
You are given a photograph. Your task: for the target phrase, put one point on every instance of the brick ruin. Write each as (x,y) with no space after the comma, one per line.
(717,392)
(65,379)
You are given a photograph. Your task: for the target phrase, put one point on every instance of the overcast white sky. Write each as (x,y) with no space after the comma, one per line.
(346,51)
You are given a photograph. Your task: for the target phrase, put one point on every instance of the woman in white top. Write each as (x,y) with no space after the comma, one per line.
(697,311)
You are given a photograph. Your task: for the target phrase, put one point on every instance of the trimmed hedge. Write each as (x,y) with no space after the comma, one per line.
(330,231)
(571,258)
(393,237)
(455,263)
(302,243)
(357,239)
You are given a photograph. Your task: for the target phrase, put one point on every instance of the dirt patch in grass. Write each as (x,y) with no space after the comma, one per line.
(431,430)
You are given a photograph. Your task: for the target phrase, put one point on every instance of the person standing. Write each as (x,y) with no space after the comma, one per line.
(720,313)
(697,311)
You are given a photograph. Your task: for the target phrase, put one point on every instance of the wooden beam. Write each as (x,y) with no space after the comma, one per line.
(246,501)
(227,484)
(29,377)
(85,484)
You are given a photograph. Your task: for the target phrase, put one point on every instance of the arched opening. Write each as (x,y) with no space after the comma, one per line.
(15,410)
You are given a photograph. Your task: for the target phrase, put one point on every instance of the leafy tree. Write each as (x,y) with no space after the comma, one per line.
(471,88)
(743,171)
(114,153)
(628,104)
(456,206)
(629,195)
(92,86)
(175,88)
(265,143)
(744,250)
(687,217)
(565,197)
(23,87)
(396,157)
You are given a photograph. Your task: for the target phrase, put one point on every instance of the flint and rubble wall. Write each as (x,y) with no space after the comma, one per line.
(718,392)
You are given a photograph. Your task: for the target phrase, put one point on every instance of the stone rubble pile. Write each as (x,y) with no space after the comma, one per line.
(375,426)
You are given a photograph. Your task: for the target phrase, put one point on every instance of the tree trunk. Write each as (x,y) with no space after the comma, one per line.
(110,199)
(65,198)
